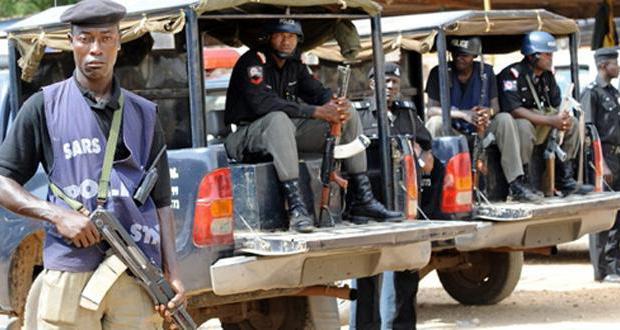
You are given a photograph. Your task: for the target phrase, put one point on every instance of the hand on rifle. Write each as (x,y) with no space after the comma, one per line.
(178,300)
(77,228)
(480,116)
(561,121)
(334,112)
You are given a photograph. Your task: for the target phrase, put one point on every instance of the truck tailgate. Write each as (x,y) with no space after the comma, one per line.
(290,260)
(555,221)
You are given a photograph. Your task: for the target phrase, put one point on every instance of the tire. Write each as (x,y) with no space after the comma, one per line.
(491,278)
(282,313)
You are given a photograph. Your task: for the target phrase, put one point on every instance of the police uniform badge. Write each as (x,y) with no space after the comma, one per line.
(255,73)
(510,85)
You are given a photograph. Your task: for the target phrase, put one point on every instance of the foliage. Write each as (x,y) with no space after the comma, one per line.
(13,8)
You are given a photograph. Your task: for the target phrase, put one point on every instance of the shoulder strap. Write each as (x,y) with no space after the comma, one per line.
(110,149)
(534,94)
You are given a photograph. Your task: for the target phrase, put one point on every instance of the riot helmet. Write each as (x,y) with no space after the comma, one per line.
(469,46)
(538,42)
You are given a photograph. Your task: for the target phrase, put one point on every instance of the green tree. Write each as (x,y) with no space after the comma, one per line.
(12,8)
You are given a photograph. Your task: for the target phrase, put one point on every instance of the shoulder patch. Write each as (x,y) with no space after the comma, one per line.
(261,57)
(510,86)
(255,73)
(514,72)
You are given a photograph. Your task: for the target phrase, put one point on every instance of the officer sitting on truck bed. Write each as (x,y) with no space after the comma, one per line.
(533,109)
(601,104)
(398,289)
(467,112)
(262,101)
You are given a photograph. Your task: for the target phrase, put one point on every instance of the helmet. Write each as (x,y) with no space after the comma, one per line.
(538,42)
(286,25)
(470,46)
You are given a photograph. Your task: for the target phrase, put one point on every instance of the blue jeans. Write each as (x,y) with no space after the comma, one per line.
(387,304)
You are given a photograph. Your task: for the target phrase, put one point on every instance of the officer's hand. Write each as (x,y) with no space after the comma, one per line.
(328,112)
(179,300)
(561,121)
(481,117)
(77,228)
(343,105)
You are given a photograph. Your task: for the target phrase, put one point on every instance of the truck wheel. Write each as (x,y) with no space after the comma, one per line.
(491,278)
(274,314)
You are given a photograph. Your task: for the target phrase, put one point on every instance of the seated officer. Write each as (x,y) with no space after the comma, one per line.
(600,102)
(534,108)
(469,111)
(263,100)
(397,290)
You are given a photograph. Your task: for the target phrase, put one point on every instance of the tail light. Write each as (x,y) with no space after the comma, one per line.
(457,185)
(411,185)
(598,165)
(213,215)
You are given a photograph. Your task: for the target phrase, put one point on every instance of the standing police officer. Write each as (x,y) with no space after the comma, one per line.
(45,132)
(468,112)
(529,92)
(281,109)
(388,301)
(601,103)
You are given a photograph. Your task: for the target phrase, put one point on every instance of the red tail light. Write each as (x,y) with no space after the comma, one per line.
(213,216)
(598,165)
(457,185)
(411,185)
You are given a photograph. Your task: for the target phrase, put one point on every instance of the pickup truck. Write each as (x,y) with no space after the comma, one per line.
(236,262)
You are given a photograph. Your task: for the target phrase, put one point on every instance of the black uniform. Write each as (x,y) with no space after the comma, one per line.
(600,101)
(397,291)
(272,108)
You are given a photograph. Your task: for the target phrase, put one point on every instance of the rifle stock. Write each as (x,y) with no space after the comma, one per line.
(149,276)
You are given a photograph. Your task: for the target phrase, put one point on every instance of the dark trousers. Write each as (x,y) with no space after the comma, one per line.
(385,302)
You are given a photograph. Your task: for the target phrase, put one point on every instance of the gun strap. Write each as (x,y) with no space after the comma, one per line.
(534,94)
(106,170)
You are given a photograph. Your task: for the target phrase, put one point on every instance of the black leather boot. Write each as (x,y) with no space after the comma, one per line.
(299,219)
(521,192)
(364,206)
(566,183)
(527,183)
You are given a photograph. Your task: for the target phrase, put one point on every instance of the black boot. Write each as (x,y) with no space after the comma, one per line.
(566,183)
(364,206)
(521,192)
(299,219)
(527,183)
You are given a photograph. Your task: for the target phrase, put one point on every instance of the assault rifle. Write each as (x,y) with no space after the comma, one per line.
(150,276)
(333,152)
(480,166)
(553,150)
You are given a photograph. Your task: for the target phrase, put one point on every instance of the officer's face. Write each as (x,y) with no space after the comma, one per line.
(545,61)
(95,50)
(284,42)
(392,87)
(611,68)
(463,61)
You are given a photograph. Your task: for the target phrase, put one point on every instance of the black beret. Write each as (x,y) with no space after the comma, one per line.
(391,69)
(602,54)
(94,13)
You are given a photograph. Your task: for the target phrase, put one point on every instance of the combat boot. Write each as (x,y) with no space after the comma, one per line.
(525,180)
(299,219)
(364,207)
(521,192)
(566,183)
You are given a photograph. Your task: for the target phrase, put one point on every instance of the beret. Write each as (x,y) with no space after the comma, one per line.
(94,13)
(391,69)
(606,54)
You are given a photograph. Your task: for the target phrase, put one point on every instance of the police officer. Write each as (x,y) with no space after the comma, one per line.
(601,103)
(388,301)
(532,107)
(469,111)
(280,109)
(44,132)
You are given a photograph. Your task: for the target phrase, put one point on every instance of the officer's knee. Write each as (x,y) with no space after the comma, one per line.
(503,119)
(278,124)
(433,125)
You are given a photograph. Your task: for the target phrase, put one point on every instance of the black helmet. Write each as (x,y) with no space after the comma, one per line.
(470,46)
(286,25)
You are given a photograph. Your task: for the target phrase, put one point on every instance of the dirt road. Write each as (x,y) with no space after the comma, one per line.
(553,293)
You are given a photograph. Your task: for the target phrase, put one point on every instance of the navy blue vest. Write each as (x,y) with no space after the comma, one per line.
(470,97)
(78,145)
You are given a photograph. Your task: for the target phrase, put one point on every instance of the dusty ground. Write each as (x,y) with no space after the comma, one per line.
(553,293)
